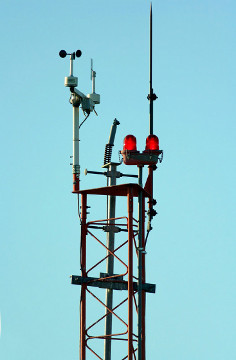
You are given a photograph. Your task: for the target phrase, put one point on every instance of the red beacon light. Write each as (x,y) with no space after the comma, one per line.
(149,156)
(152,143)
(130,143)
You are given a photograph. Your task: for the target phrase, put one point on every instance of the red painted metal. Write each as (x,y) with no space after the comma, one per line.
(143,281)
(75,183)
(116,190)
(126,222)
(149,182)
(130,274)
(112,311)
(84,274)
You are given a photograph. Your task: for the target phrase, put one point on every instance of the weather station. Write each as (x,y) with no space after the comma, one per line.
(115,274)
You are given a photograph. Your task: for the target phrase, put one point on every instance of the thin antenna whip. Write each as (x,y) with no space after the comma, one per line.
(91,73)
(151,96)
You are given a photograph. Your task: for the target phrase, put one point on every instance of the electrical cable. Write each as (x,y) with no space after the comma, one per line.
(84,120)
(145,243)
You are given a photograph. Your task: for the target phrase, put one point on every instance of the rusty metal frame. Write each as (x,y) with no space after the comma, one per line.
(131,191)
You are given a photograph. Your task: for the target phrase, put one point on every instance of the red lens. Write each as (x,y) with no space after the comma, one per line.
(152,142)
(130,143)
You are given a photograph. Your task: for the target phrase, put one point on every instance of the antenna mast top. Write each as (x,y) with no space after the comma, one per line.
(95,97)
(93,75)
(151,95)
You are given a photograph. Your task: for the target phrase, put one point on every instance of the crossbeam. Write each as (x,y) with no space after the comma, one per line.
(110,283)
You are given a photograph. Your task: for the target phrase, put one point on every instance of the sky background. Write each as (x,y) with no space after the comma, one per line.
(191,251)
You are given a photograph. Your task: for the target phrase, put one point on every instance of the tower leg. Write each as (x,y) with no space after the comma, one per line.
(140,265)
(130,275)
(143,281)
(84,274)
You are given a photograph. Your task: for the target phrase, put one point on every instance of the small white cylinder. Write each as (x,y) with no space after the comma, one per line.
(93,81)
(71,65)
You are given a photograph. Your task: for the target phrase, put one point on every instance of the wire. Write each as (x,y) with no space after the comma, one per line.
(84,120)
(145,243)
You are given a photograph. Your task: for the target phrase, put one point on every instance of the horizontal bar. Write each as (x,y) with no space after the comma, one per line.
(117,277)
(107,173)
(117,190)
(110,284)
(129,175)
(94,172)
(108,228)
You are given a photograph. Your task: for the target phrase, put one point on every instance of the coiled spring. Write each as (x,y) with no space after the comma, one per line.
(107,155)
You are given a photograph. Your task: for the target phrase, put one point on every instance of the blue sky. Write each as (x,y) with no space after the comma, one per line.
(191,251)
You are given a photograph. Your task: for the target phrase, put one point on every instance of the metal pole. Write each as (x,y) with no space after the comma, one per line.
(130,275)
(152,97)
(143,281)
(71,64)
(140,255)
(93,81)
(150,203)
(151,89)
(84,274)
(110,265)
(75,165)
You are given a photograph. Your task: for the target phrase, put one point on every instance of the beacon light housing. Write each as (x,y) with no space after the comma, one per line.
(130,143)
(150,156)
(152,143)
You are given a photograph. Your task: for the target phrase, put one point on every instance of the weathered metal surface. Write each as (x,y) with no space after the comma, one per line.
(110,284)
(117,190)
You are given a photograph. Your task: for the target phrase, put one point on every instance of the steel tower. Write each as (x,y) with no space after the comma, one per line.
(120,258)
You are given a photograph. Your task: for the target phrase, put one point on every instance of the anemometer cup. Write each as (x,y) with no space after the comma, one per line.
(77,53)
(62,53)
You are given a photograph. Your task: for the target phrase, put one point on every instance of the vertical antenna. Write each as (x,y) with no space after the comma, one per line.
(151,89)
(91,76)
(151,96)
